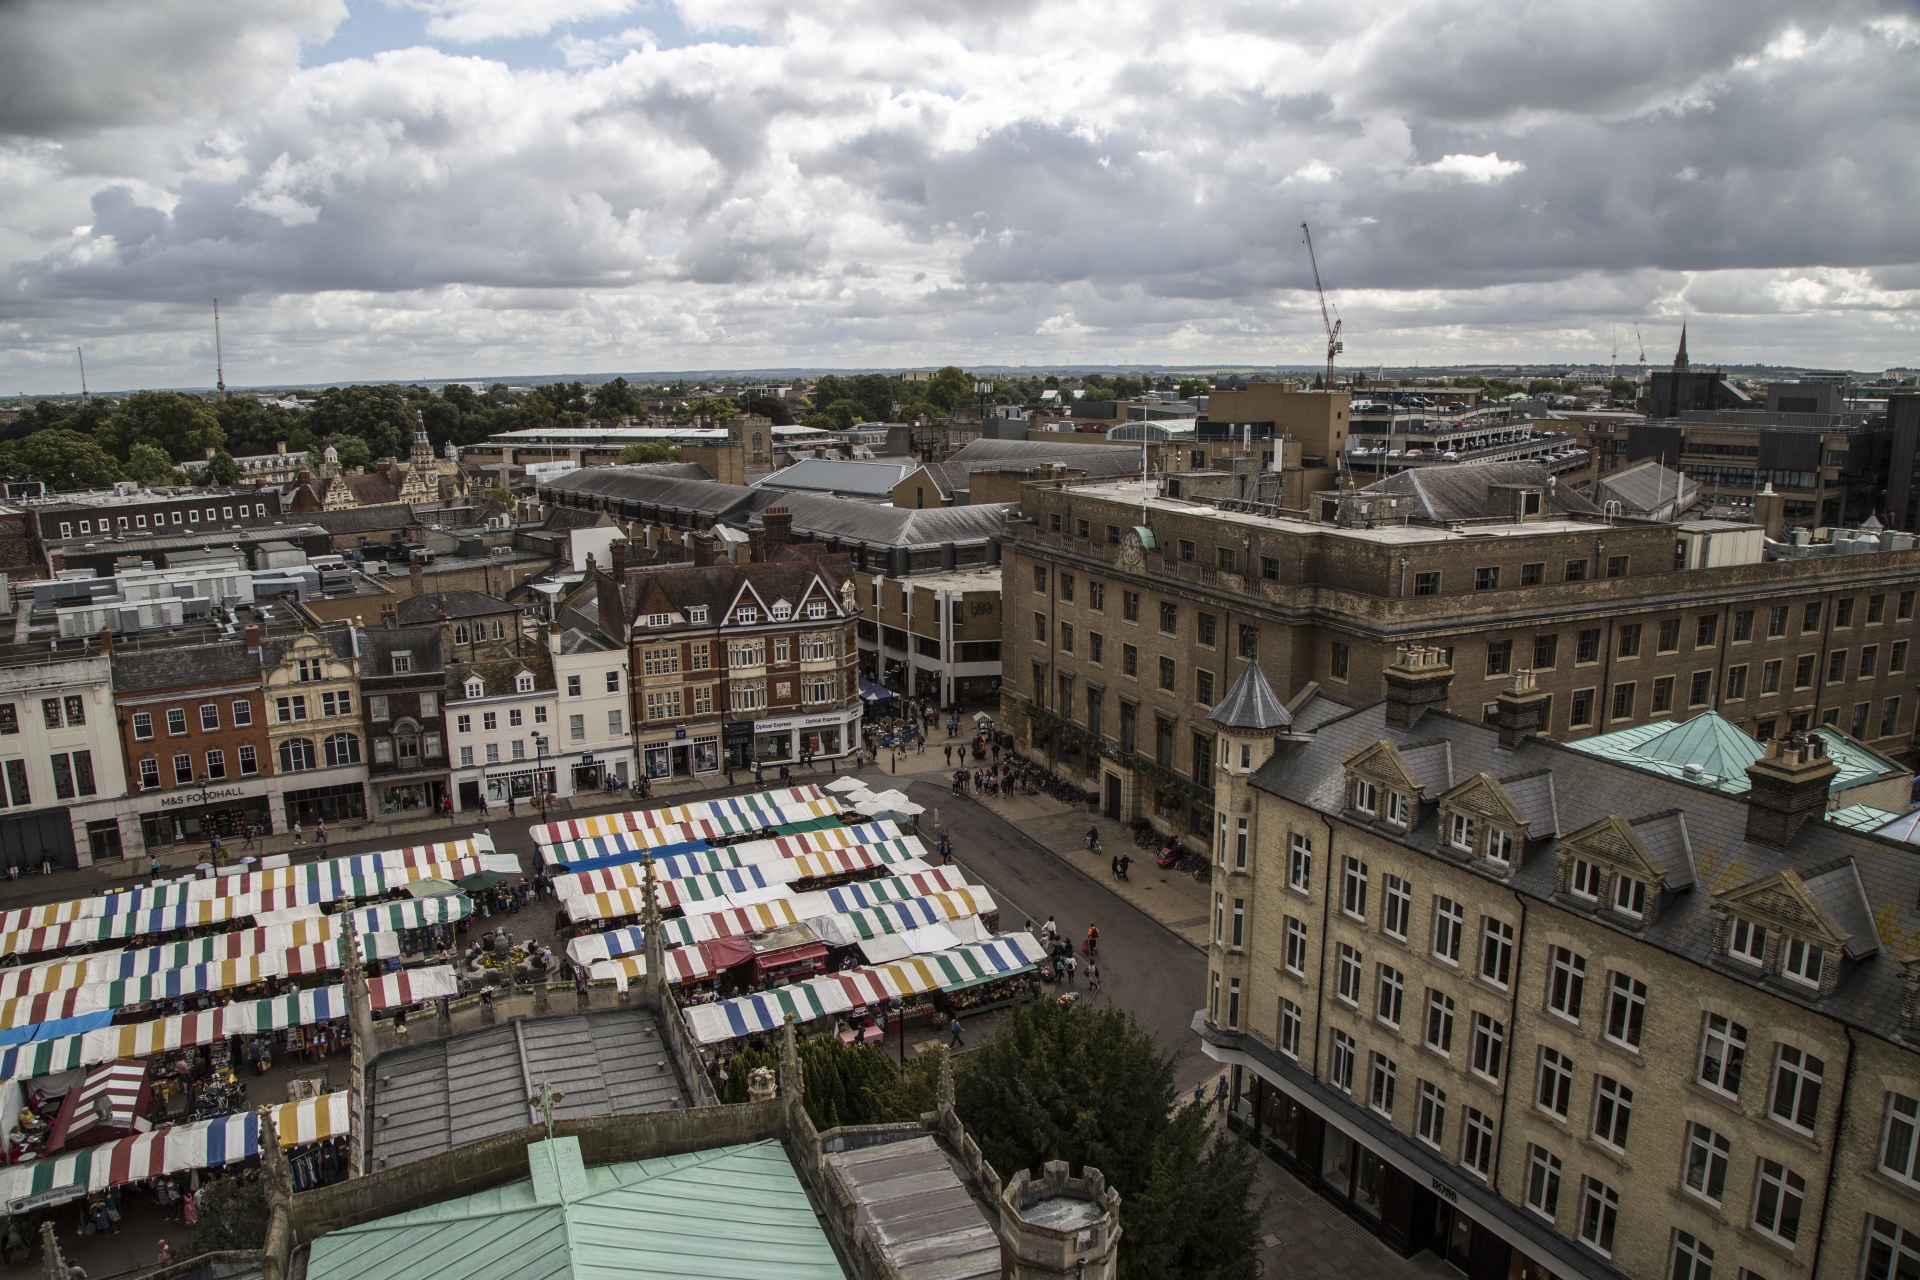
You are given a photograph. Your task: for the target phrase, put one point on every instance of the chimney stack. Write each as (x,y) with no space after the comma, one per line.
(705,548)
(416,574)
(1787,786)
(620,552)
(1770,512)
(106,642)
(1520,710)
(1416,682)
(778,522)
(253,638)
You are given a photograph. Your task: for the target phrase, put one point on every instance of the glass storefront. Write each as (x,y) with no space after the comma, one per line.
(657,759)
(225,818)
(706,755)
(420,795)
(768,747)
(520,786)
(326,804)
(821,742)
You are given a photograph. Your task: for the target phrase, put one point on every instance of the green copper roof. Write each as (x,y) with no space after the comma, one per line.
(1722,751)
(733,1213)
(1861,817)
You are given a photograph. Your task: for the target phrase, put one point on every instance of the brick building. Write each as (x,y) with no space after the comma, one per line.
(403,688)
(1548,1014)
(734,663)
(1126,614)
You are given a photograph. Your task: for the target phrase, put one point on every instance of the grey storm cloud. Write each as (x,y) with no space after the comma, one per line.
(1038,183)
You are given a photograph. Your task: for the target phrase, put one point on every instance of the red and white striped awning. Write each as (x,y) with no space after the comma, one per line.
(411,986)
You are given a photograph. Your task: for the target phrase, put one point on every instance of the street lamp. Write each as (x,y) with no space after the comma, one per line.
(206,828)
(539,773)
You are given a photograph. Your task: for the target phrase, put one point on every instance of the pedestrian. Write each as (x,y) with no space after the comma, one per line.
(1200,1092)
(155,860)
(512,804)
(1093,978)
(1220,1094)
(1093,939)
(46,861)
(1073,971)
(320,831)
(296,833)
(165,1256)
(953,1025)
(1049,929)
(949,753)
(1126,860)
(214,843)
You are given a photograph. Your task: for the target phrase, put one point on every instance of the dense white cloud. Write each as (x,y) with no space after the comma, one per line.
(910,181)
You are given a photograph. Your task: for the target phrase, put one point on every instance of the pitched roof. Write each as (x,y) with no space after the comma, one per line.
(1251,704)
(379,644)
(874,480)
(337,640)
(675,588)
(1443,494)
(1722,751)
(1647,487)
(175,668)
(391,515)
(442,606)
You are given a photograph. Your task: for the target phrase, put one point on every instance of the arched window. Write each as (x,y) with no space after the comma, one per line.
(296,754)
(756,442)
(460,633)
(342,748)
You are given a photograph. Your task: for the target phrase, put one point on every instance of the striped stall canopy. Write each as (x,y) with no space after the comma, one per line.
(170,984)
(73,1170)
(412,986)
(892,917)
(861,857)
(118,1084)
(573,830)
(711,888)
(183,915)
(212,1143)
(180,955)
(612,904)
(859,986)
(311,1119)
(592,849)
(51,914)
(911,975)
(684,964)
(144,1039)
(636,854)
(391,917)
(42,1058)
(837,837)
(593,947)
(975,962)
(871,893)
(632,875)
(134,1159)
(51,1006)
(761,1012)
(57,976)
(759,917)
(925,940)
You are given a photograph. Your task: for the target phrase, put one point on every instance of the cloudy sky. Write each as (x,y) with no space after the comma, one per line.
(446,188)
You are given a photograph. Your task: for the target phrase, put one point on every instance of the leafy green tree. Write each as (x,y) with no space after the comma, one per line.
(708,409)
(876,393)
(180,426)
(221,469)
(60,459)
(351,450)
(616,399)
(252,427)
(1622,388)
(773,408)
(1087,1085)
(379,417)
(149,464)
(843,414)
(651,451)
(235,1218)
(950,389)
(1191,387)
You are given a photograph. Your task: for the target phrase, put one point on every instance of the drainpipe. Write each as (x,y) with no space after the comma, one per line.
(1833,1154)
(1513,1008)
(1320,978)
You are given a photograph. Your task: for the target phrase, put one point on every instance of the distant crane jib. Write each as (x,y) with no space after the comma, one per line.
(1332,325)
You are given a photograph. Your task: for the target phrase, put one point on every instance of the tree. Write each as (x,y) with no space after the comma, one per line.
(877,395)
(380,417)
(773,408)
(150,465)
(652,451)
(252,427)
(615,399)
(842,413)
(221,469)
(1191,387)
(1087,1085)
(180,426)
(234,1220)
(60,459)
(708,409)
(949,389)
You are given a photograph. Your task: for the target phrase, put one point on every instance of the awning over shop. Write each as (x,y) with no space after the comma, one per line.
(755,1014)
(871,893)
(114,1098)
(897,946)
(736,921)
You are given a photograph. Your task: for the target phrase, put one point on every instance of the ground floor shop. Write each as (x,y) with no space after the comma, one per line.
(409,796)
(1409,1198)
(740,744)
(266,806)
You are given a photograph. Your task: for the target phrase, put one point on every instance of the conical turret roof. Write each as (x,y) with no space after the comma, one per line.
(1251,704)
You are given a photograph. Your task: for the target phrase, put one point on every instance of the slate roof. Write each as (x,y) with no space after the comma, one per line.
(1094,459)
(1445,494)
(1251,704)
(718,586)
(836,520)
(432,1097)
(1589,788)
(443,606)
(1648,488)
(634,488)
(729,1213)
(379,644)
(338,642)
(392,515)
(872,480)
(185,667)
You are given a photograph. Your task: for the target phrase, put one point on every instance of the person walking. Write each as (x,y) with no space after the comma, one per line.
(155,862)
(320,831)
(1093,939)
(1093,978)
(1220,1094)
(512,804)
(953,1025)
(297,839)
(1073,971)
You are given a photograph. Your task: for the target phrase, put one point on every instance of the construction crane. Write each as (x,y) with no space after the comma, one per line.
(1642,344)
(219,365)
(1334,345)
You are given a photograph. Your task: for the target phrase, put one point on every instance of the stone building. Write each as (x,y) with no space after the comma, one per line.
(314,729)
(1546,1013)
(1127,613)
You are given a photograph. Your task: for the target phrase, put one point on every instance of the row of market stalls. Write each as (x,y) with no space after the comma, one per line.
(825,912)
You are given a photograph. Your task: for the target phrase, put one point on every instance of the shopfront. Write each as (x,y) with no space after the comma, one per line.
(736,736)
(521,784)
(790,738)
(410,795)
(193,817)
(346,801)
(687,752)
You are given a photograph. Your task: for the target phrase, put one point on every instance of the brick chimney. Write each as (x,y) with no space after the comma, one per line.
(416,574)
(620,552)
(778,522)
(1416,682)
(1520,710)
(252,634)
(705,548)
(1788,785)
(106,641)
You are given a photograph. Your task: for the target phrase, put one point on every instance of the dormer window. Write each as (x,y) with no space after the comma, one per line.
(1366,797)
(1630,896)
(1501,847)
(1803,962)
(1399,811)
(746,615)
(657,620)
(403,662)
(817,609)
(698,613)
(1460,832)
(1748,941)
(782,611)
(476,688)
(1585,882)
(523,683)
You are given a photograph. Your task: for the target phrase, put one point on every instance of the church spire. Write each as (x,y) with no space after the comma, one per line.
(1680,356)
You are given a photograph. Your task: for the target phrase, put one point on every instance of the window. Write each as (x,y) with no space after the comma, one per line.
(1706,1169)
(1290,1021)
(142,726)
(1380,1087)
(1599,1214)
(1580,710)
(1347,968)
(616,716)
(1391,991)
(1476,1148)
(403,662)
(1586,879)
(342,749)
(1630,896)
(1040,628)
(1543,1182)
(1170,619)
(1576,571)
(1626,1009)
(1616,566)
(1293,953)
(1662,695)
(1736,683)
(149,774)
(663,705)
(1431,1124)
(1249,642)
(1066,587)
(1778,1201)
(1723,1051)
(1186,548)
(1426,584)
(576,728)
(1340,1062)
(1130,605)
(489,721)
(1300,863)
(1904,610)
(1802,961)
(1209,627)
(296,754)
(1449,923)
(1496,951)
(1770,677)
(515,718)
(1129,660)
(1240,844)
(1399,811)
(1889,717)
(1353,888)
(1836,666)
(493,753)
(1669,635)
(1869,661)
(176,722)
(1531,574)
(1270,568)
(1439,1029)
(1556,1083)
(1796,1087)
(1900,1147)
(1397,908)
(1587,646)
(1066,637)
(1629,639)
(1566,982)
(519,748)
(1706,631)
(1897,658)
(1747,941)
(1623,700)
(1499,657)
(249,761)
(1489,1043)
(1337,665)
(1501,847)
(288,710)
(1612,1112)
(1546,652)
(1486,579)
(1810,618)
(1237,937)
(1692,1259)
(1460,832)
(1167,674)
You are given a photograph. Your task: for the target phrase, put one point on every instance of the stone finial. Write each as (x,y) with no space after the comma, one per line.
(273,1160)
(760,1086)
(792,1082)
(943,1091)
(652,945)
(51,1259)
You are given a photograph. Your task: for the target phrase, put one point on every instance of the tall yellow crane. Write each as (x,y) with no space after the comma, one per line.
(1332,323)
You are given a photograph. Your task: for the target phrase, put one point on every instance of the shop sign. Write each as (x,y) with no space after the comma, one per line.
(188,799)
(738,733)
(586,757)
(1452,1196)
(801,722)
(41,1199)
(680,734)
